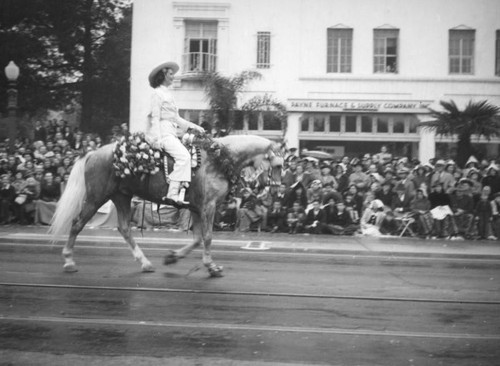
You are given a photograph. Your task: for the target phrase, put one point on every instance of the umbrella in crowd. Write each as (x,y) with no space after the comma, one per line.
(317,154)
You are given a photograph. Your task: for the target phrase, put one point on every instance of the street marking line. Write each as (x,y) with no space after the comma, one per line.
(256,245)
(251,293)
(247,327)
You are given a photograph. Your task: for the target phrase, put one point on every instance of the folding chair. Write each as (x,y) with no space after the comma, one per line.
(405,225)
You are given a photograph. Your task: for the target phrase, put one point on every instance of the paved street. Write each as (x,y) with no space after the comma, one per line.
(284,300)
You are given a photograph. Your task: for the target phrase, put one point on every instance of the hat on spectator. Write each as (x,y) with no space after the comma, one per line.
(166,65)
(376,204)
(472,160)
(246,189)
(388,170)
(492,166)
(466,181)
(496,195)
(450,162)
(404,170)
(440,162)
(316,181)
(429,166)
(355,162)
(326,166)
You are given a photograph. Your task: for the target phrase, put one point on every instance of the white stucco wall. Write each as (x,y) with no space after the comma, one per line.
(298,48)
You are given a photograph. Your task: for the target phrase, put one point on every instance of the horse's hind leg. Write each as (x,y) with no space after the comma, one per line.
(122,204)
(207,224)
(88,210)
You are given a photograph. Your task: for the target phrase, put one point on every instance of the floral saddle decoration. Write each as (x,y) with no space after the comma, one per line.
(134,156)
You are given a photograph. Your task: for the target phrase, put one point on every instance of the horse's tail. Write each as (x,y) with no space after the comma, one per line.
(71,202)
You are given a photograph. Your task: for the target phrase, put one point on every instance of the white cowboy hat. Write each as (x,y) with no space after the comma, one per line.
(166,65)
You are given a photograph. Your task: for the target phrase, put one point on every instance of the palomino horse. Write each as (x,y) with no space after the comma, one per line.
(93,182)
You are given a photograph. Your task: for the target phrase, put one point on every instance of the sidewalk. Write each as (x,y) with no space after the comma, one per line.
(253,241)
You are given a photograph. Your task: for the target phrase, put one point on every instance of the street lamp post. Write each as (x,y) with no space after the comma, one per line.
(12,73)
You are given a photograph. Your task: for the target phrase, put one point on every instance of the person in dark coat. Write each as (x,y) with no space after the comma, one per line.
(315,219)
(7,197)
(276,217)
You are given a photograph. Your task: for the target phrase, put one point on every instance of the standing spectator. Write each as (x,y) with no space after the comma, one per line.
(406,182)
(296,193)
(7,197)
(401,201)
(68,135)
(384,156)
(280,194)
(341,178)
(40,133)
(289,176)
(358,177)
(420,179)
(386,194)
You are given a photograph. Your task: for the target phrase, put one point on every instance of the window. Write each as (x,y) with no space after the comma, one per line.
(385,55)
(339,50)
(271,121)
(350,123)
(399,125)
(497,54)
(304,123)
(319,123)
(382,124)
(200,47)
(263,50)
(461,49)
(366,124)
(335,123)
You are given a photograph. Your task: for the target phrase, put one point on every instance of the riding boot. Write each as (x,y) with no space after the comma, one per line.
(176,192)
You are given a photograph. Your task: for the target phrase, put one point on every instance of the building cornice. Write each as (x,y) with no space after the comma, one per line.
(397,78)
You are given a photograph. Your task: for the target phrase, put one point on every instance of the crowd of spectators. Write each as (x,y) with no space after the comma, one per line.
(34,174)
(376,194)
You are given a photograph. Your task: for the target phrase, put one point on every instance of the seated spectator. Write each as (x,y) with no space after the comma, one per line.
(339,222)
(226,217)
(25,202)
(440,210)
(264,201)
(295,193)
(315,219)
(7,197)
(280,194)
(495,215)
(276,218)
(341,178)
(50,193)
(249,211)
(329,193)
(462,206)
(420,207)
(357,199)
(372,219)
(400,204)
(295,218)
(358,178)
(326,176)
(351,207)
(483,214)
(386,194)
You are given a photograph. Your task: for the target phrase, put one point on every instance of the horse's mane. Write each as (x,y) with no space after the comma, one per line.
(218,155)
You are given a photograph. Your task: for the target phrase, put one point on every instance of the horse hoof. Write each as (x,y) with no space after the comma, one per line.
(170,258)
(148,268)
(215,271)
(70,268)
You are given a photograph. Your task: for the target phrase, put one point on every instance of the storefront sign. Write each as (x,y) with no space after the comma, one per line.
(386,106)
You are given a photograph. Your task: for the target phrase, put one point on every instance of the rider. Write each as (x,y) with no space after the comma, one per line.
(167,125)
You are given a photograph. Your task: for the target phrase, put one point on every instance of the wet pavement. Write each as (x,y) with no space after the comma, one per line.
(284,300)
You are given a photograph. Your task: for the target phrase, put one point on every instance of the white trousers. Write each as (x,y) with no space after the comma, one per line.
(182,159)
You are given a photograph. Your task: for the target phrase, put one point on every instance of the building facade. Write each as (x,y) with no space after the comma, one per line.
(353,74)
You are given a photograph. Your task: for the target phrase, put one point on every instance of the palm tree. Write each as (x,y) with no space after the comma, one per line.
(222,93)
(477,118)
